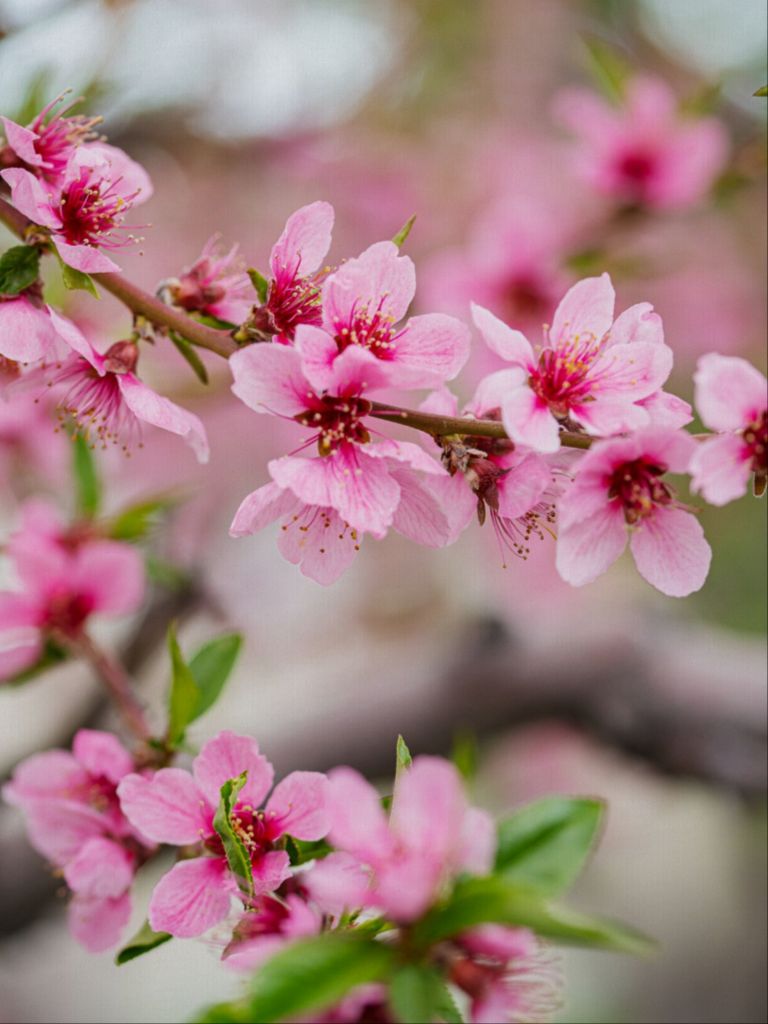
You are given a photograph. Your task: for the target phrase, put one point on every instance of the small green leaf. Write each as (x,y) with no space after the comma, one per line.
(404,231)
(77,280)
(608,69)
(136,521)
(464,754)
(224,1013)
(142,942)
(184,695)
(495,900)
(87,483)
(403,759)
(301,851)
(446,1007)
(234,847)
(546,844)
(762,91)
(211,667)
(417,994)
(260,283)
(188,352)
(19,268)
(314,973)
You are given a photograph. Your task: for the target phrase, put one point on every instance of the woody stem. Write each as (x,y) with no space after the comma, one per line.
(118,683)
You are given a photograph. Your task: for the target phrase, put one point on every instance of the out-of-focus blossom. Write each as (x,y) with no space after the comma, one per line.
(30,447)
(267,927)
(364,482)
(619,490)
(27,333)
(591,370)
(402,864)
(215,284)
(645,151)
(178,808)
(293,295)
(85,211)
(506,975)
(63,581)
(74,820)
(732,398)
(108,402)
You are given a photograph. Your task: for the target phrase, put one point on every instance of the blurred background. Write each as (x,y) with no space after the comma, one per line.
(243,110)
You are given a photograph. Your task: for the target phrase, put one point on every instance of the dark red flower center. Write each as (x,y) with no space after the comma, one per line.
(561,378)
(637,168)
(525,297)
(256,830)
(639,488)
(338,420)
(372,330)
(67,612)
(91,209)
(292,301)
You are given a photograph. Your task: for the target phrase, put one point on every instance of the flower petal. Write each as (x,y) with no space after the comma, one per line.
(319,542)
(721,468)
(358,822)
(85,258)
(299,805)
(419,515)
(31,197)
(528,421)
(97,923)
(102,753)
(730,392)
(26,332)
(262,507)
(270,378)
(100,869)
(111,574)
(586,309)
(270,871)
(193,897)
(638,323)
(159,411)
(671,553)
(587,548)
(225,757)
(429,350)
(167,808)
(379,280)
(305,240)
(508,344)
(428,808)
(338,883)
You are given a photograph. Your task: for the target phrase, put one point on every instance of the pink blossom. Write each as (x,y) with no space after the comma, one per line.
(48,142)
(492,477)
(618,491)
(731,399)
(591,369)
(74,820)
(507,976)
(29,448)
(400,864)
(106,399)
(365,483)
(27,333)
(293,296)
(362,304)
(85,210)
(645,151)
(215,284)
(178,808)
(268,927)
(63,580)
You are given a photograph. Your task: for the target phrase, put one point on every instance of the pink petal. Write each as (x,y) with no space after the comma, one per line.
(666,410)
(17,658)
(357,370)
(318,352)
(31,197)
(477,850)
(193,897)
(730,392)
(161,412)
(54,773)
(720,469)
(270,378)
(692,160)
(528,421)
(638,323)
(419,515)
(611,415)
(102,753)
(458,503)
(26,332)
(508,344)
(319,542)
(429,350)
(586,114)
(632,371)
(270,871)
(128,177)
(85,258)
(18,611)
(225,757)
(428,807)
(671,553)
(22,142)
(441,403)
(587,548)
(299,805)
(671,448)
(522,486)
(407,884)
(407,453)
(492,390)
(111,574)
(98,923)
(338,883)
(358,823)
(260,508)
(58,829)
(76,340)
(100,869)
(379,280)
(168,808)
(586,309)
(305,240)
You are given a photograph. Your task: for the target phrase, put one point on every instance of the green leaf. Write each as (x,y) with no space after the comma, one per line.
(260,283)
(314,973)
(497,901)
(135,522)
(417,993)
(184,695)
(234,847)
(187,351)
(224,1013)
(76,280)
(404,231)
(142,942)
(609,70)
(19,268)
(762,91)
(211,667)
(546,844)
(302,850)
(87,483)
(464,754)
(403,759)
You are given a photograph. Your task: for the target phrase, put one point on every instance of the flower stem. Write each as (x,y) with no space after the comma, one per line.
(118,683)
